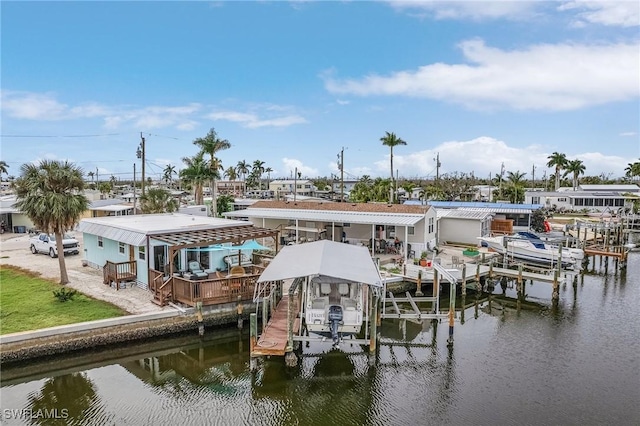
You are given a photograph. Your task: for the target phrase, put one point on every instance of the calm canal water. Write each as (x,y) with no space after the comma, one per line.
(574,364)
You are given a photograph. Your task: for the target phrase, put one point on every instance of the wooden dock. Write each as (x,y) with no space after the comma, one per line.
(274,338)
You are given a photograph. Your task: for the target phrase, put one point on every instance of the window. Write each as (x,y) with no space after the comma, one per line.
(121,248)
(562,200)
(142,253)
(100,242)
(411,230)
(431,225)
(535,200)
(346,225)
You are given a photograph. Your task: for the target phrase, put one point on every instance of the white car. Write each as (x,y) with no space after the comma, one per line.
(46,243)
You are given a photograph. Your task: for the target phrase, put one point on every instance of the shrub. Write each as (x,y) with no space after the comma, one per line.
(64,294)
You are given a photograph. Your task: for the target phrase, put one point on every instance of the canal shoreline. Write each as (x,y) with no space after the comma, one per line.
(32,345)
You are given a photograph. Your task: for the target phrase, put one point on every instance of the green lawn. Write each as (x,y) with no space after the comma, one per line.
(27,303)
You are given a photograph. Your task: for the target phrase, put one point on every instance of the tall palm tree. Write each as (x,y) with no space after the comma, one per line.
(91,175)
(167,174)
(576,168)
(391,140)
(559,161)
(158,200)
(51,195)
(212,144)
(257,170)
(268,171)
(242,168)
(196,174)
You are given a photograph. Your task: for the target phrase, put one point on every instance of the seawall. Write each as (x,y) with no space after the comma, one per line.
(35,344)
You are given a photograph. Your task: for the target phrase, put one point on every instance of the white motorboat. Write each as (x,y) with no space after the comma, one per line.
(336,283)
(532,249)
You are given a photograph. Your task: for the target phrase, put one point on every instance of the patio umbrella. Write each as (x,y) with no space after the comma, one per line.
(250,245)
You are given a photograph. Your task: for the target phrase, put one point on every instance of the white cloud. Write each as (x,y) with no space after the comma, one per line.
(470,9)
(484,155)
(607,12)
(45,107)
(253,121)
(289,166)
(342,102)
(541,77)
(628,134)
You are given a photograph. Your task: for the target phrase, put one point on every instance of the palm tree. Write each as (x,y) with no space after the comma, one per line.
(632,170)
(51,195)
(167,174)
(230,173)
(391,140)
(81,401)
(211,145)
(242,168)
(257,170)
(3,169)
(268,171)
(195,174)
(158,200)
(577,168)
(516,186)
(559,161)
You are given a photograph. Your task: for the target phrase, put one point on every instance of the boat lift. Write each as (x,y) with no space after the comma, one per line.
(391,309)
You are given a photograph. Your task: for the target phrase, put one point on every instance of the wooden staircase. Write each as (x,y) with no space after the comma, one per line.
(161,289)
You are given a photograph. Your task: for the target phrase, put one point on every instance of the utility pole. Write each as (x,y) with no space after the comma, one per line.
(134,188)
(438,166)
(143,161)
(97,177)
(501,174)
(533,177)
(295,185)
(341,165)
(490,187)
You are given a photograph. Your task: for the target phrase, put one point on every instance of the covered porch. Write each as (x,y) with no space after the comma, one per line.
(208,287)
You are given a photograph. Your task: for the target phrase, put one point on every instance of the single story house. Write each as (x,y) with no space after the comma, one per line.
(463,225)
(13,218)
(587,198)
(165,242)
(356,223)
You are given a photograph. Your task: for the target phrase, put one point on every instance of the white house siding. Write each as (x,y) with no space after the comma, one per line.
(455,230)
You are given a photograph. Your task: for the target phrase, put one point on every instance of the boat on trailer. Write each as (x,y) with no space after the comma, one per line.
(335,280)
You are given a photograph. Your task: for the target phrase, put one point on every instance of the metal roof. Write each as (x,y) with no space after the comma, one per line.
(470,214)
(503,210)
(324,258)
(397,219)
(173,228)
(478,205)
(113,208)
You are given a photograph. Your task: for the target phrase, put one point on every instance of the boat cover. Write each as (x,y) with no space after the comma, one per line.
(324,258)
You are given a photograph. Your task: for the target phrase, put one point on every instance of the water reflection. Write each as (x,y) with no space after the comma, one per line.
(75,392)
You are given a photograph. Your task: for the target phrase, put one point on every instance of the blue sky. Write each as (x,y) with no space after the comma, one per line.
(292,83)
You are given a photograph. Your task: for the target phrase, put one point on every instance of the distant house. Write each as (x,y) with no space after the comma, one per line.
(108,207)
(14,219)
(163,242)
(355,223)
(588,198)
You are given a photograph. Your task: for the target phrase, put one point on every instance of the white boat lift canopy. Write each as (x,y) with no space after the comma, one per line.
(323,258)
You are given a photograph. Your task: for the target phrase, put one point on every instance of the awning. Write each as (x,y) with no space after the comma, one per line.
(323,258)
(304,229)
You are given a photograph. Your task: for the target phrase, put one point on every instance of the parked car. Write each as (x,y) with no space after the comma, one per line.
(46,243)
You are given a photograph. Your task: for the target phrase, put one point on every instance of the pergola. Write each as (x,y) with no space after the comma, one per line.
(206,237)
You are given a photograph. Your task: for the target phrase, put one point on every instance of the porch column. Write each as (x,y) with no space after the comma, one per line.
(373,239)
(406,244)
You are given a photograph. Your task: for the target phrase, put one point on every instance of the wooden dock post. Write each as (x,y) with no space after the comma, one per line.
(436,289)
(199,317)
(265,311)
(419,284)
(253,339)
(478,285)
(374,324)
(556,290)
(240,310)
(464,280)
(452,312)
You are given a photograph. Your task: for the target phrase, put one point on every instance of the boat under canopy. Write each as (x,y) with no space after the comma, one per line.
(326,258)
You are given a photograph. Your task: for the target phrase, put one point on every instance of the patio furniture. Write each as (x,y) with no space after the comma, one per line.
(196,270)
(236,271)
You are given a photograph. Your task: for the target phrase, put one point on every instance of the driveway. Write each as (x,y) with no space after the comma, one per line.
(14,250)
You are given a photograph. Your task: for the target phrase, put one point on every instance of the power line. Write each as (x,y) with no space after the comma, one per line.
(62,136)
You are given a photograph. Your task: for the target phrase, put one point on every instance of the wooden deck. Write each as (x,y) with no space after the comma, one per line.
(273,341)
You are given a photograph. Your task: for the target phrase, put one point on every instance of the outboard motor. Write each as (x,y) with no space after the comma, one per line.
(335,318)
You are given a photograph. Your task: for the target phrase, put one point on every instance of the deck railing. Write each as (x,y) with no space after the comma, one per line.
(120,272)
